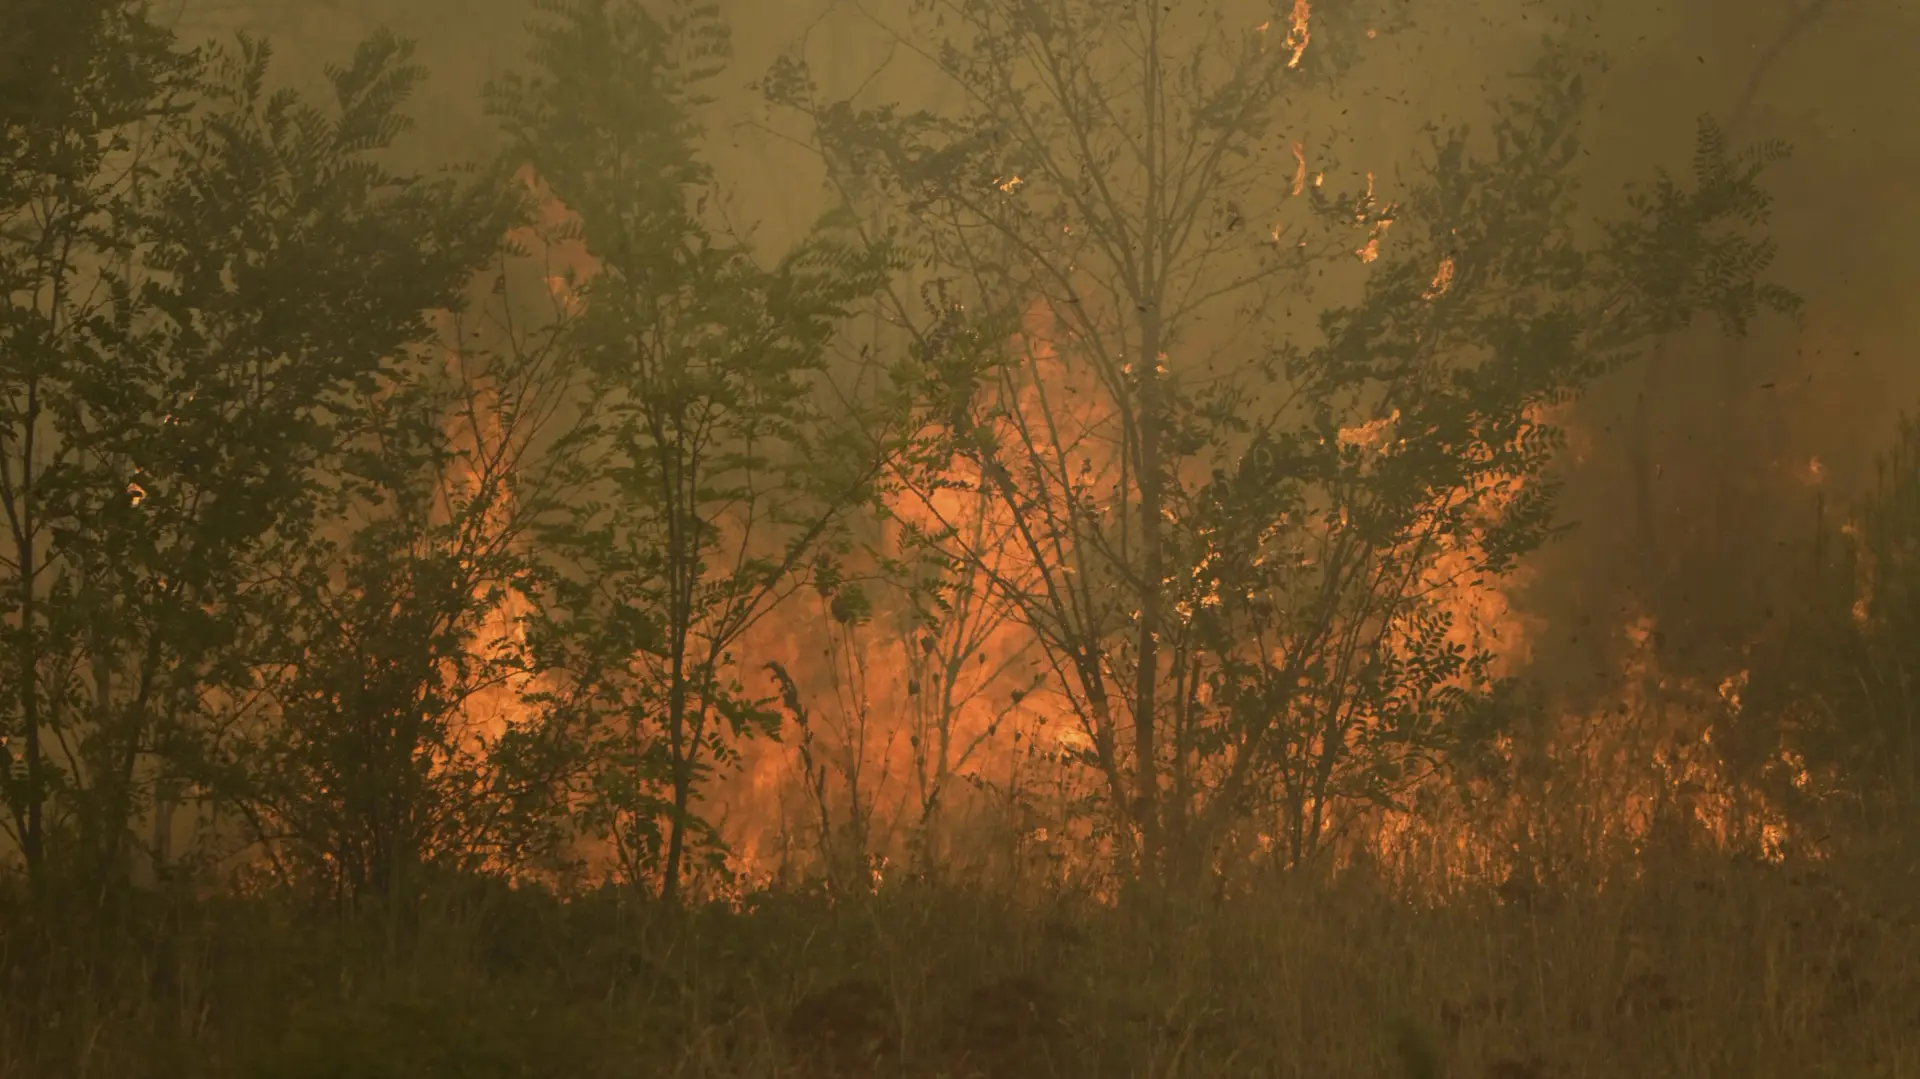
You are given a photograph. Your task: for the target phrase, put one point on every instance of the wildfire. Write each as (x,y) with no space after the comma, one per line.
(1298,35)
(1645,763)
(477,441)
(886,698)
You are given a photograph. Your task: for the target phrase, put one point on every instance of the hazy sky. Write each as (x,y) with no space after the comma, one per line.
(1827,386)
(1845,93)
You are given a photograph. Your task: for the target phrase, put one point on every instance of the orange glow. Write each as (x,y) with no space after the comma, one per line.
(1000,721)
(1299,34)
(878,700)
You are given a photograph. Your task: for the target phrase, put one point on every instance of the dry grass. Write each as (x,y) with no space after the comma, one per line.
(1701,967)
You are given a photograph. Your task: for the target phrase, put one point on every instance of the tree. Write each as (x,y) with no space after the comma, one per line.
(206,300)
(718,477)
(1243,557)
(394,739)
(1691,584)
(84,93)
(294,383)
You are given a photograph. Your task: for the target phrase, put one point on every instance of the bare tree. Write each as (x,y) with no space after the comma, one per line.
(1235,554)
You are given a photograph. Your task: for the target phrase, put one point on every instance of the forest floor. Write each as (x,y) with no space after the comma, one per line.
(1700,967)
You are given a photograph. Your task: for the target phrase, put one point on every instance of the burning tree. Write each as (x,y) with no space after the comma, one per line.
(1246,556)
(386,735)
(716,474)
(954,617)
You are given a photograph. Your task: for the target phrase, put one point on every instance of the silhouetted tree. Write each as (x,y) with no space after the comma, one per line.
(718,474)
(85,90)
(1245,561)
(206,275)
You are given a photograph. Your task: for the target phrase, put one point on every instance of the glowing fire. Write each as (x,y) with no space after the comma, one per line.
(1298,35)
(873,707)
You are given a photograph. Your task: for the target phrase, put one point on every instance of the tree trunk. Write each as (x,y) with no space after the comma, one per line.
(32,842)
(1146,677)
(681,749)
(1146,684)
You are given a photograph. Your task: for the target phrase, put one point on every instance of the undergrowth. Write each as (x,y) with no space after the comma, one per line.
(1702,966)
